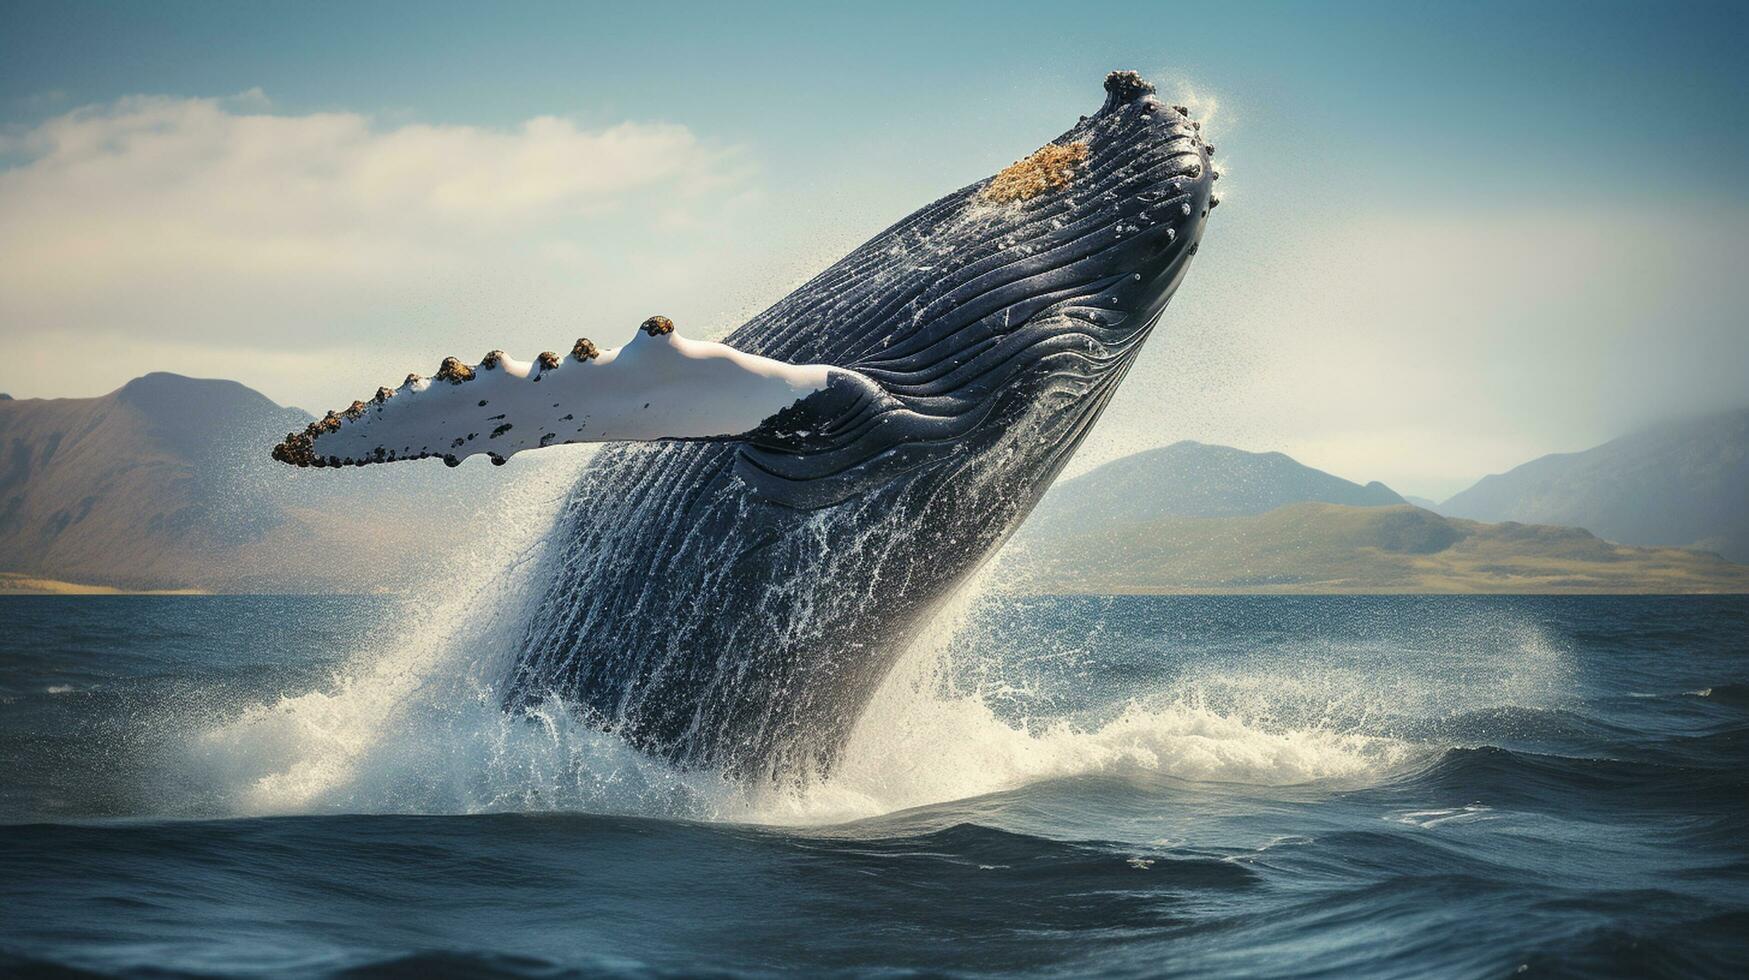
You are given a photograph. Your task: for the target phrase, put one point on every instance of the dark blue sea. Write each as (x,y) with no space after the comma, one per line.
(1140,786)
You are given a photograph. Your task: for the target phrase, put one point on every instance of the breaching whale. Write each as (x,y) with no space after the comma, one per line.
(783,512)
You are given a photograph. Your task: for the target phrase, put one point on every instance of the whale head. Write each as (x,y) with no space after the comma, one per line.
(1120,200)
(1003,314)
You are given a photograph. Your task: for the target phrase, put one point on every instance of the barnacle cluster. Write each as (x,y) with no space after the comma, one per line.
(299,448)
(1052,167)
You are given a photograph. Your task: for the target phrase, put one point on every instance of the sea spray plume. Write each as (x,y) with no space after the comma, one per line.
(852,454)
(404,725)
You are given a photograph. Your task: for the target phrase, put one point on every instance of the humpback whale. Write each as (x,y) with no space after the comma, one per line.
(779,515)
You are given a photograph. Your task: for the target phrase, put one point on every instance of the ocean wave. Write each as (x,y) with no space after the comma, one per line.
(1583,787)
(412,722)
(416,727)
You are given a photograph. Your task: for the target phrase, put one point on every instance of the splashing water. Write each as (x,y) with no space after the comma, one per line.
(1432,747)
(923,741)
(414,723)
(386,720)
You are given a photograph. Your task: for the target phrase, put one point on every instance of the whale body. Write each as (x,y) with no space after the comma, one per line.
(733,601)
(736,605)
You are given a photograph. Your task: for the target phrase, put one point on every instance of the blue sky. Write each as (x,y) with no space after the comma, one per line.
(1457,235)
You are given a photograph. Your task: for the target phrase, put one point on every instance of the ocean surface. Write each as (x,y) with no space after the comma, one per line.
(1138,786)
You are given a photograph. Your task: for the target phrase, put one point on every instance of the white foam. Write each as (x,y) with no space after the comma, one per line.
(434,664)
(1429,819)
(919,744)
(414,724)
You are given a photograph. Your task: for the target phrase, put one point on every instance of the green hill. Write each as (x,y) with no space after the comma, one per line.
(1191,479)
(1330,548)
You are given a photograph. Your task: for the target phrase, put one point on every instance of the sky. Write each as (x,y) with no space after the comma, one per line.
(1453,237)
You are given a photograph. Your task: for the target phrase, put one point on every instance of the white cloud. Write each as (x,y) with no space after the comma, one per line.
(217,224)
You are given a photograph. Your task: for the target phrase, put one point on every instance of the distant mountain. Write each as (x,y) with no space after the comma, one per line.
(1684,484)
(166,483)
(130,480)
(1421,502)
(1191,479)
(1318,548)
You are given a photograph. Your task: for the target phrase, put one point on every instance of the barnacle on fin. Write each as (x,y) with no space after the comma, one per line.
(453,371)
(585,350)
(656,326)
(298,449)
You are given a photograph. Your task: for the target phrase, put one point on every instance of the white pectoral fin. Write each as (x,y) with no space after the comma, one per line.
(658,386)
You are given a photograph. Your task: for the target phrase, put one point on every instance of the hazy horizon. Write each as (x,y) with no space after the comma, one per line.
(1451,241)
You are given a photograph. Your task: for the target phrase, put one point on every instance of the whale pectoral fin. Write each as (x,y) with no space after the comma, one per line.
(659,386)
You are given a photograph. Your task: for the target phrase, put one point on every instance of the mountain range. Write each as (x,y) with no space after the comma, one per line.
(165,483)
(1191,479)
(1683,483)
(1201,518)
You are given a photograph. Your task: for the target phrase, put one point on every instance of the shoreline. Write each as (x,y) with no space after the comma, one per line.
(18,583)
(14,584)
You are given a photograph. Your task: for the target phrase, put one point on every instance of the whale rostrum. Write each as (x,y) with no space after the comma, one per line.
(781,514)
